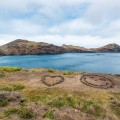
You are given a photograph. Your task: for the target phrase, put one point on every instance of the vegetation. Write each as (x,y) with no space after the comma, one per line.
(86,106)
(116,109)
(118,75)
(65,101)
(21,112)
(10,69)
(51,70)
(75,100)
(69,73)
(98,104)
(12,87)
(10,111)
(49,114)
(26,113)
(115,105)
(1,76)
(4,103)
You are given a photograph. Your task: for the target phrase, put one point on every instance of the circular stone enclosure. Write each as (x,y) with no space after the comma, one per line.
(50,80)
(97,81)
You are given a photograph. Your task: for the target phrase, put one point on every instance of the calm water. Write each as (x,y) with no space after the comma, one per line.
(91,62)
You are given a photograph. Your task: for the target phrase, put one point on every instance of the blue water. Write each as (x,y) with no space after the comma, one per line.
(88,62)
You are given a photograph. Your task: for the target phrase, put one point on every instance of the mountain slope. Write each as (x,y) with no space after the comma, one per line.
(25,47)
(108,48)
(77,49)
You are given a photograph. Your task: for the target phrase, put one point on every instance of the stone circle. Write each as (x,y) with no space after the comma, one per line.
(97,81)
(50,80)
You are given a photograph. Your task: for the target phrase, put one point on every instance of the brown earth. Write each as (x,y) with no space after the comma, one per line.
(71,82)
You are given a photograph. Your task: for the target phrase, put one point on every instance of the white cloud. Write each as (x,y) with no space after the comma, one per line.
(86,23)
(76,26)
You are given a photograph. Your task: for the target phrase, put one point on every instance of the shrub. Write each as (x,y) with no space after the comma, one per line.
(51,70)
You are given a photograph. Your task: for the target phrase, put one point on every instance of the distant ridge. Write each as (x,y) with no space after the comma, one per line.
(25,47)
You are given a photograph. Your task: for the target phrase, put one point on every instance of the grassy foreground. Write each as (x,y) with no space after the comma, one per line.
(42,103)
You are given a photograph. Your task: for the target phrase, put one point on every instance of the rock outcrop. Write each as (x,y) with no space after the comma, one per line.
(108,48)
(24,47)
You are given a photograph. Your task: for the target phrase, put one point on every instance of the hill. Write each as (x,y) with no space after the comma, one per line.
(25,47)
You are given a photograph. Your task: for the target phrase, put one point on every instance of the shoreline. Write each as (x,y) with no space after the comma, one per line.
(61,53)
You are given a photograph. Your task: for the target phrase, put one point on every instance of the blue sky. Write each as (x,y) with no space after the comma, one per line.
(88,23)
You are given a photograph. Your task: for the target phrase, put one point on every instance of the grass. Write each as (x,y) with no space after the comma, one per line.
(51,70)
(26,113)
(95,103)
(35,95)
(12,87)
(57,98)
(1,76)
(4,103)
(21,112)
(10,69)
(65,101)
(91,107)
(10,111)
(115,107)
(69,73)
(49,114)
(18,87)
(86,106)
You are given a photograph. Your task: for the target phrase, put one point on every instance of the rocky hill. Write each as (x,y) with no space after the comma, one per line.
(77,49)
(108,48)
(24,47)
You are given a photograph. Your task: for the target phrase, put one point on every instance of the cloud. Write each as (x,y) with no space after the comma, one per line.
(87,23)
(76,26)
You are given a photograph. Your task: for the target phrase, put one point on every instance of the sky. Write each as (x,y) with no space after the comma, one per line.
(87,23)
